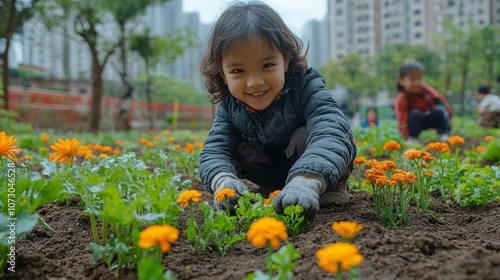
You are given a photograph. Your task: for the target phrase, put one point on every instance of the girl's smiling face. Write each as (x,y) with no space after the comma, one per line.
(254,72)
(412,82)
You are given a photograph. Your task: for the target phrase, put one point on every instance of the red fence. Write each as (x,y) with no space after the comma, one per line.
(61,110)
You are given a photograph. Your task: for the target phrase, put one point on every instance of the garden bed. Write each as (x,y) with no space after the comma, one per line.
(447,242)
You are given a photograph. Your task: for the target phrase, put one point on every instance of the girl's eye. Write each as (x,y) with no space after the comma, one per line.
(237,71)
(267,65)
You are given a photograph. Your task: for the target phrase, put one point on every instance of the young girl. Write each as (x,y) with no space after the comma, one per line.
(277,124)
(489,107)
(418,106)
(371,118)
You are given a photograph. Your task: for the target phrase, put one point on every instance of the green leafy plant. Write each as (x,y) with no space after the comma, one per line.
(279,265)
(477,186)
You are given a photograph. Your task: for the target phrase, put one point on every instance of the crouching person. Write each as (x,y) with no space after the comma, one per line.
(277,125)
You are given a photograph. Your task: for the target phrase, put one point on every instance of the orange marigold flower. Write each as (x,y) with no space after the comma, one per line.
(347,229)
(403,176)
(107,149)
(189,148)
(480,149)
(340,254)
(488,138)
(7,146)
(117,152)
(373,150)
(195,138)
(156,138)
(45,138)
(359,160)
(456,140)
(156,235)
(391,145)
(188,196)
(428,157)
(118,142)
(165,132)
(171,139)
(97,147)
(150,144)
(225,192)
(144,141)
(275,193)
(267,230)
(414,154)
(67,150)
(267,201)
(177,146)
(199,145)
(438,146)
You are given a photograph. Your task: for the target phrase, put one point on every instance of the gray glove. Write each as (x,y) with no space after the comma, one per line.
(227,180)
(303,190)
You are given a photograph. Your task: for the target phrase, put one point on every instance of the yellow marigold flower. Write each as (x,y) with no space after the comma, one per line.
(275,193)
(225,192)
(488,138)
(67,150)
(347,229)
(456,140)
(156,235)
(391,145)
(359,160)
(480,149)
(144,141)
(165,132)
(156,138)
(103,155)
(118,142)
(171,139)
(7,148)
(189,148)
(188,196)
(267,230)
(340,254)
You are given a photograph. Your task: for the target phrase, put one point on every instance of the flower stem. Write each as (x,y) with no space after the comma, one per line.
(93,225)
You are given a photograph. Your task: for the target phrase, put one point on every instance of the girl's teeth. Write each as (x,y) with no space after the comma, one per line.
(257,93)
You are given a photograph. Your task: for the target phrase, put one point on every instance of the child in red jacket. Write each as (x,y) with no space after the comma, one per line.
(419,106)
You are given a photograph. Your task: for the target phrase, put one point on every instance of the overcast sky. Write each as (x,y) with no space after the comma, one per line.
(295,12)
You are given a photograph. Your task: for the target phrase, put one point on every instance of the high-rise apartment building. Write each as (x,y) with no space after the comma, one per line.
(365,26)
(315,39)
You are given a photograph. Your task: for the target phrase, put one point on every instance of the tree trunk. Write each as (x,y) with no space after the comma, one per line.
(97,88)
(5,76)
(148,96)
(465,72)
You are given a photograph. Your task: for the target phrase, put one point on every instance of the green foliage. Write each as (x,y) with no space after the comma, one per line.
(492,151)
(151,269)
(478,186)
(166,89)
(279,265)
(392,56)
(9,123)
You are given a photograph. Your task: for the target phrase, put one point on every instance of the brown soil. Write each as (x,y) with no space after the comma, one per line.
(457,243)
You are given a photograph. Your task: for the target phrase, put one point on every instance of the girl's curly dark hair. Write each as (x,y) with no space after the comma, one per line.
(239,22)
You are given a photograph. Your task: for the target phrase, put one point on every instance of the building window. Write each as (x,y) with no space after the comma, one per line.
(418,35)
(417,1)
(481,22)
(417,12)
(498,11)
(339,12)
(418,23)
(340,35)
(480,11)
(451,3)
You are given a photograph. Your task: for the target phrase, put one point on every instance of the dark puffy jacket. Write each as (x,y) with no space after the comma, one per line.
(305,102)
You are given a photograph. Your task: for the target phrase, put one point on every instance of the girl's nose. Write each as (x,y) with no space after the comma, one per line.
(254,80)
